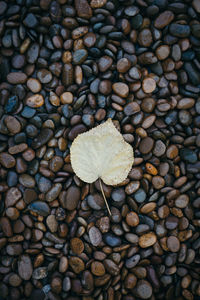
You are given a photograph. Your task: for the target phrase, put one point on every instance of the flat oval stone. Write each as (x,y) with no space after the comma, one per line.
(112,240)
(71,199)
(146,145)
(186,103)
(7,160)
(12,124)
(121,89)
(173,243)
(95,236)
(97,268)
(182,201)
(27,180)
(144,289)
(77,246)
(34,85)
(76,264)
(105,63)
(25,268)
(147,240)
(95,201)
(179,30)
(54,192)
(164,19)
(132,261)
(16,77)
(79,56)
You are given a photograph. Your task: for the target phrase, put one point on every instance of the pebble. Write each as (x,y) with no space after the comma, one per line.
(35,101)
(182,201)
(179,30)
(95,201)
(144,289)
(164,19)
(76,264)
(25,268)
(132,219)
(79,56)
(121,89)
(97,268)
(16,77)
(12,124)
(77,246)
(83,9)
(95,236)
(123,65)
(146,145)
(188,155)
(7,160)
(71,198)
(112,240)
(147,240)
(34,85)
(105,63)
(52,223)
(173,243)
(66,98)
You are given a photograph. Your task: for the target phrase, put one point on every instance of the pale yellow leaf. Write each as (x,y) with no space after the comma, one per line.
(101,153)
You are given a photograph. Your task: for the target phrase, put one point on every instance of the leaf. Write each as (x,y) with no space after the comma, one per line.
(101,153)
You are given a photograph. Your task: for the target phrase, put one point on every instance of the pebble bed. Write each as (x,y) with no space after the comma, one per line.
(65,67)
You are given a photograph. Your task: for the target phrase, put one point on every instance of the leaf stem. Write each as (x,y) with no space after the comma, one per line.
(104,197)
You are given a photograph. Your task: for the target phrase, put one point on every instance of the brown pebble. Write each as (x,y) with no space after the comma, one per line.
(130,281)
(147,208)
(35,101)
(83,9)
(97,268)
(121,89)
(7,160)
(63,264)
(77,246)
(34,85)
(148,85)
(16,77)
(146,145)
(158,182)
(164,19)
(172,151)
(12,124)
(123,65)
(132,219)
(76,264)
(147,240)
(145,37)
(52,223)
(162,52)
